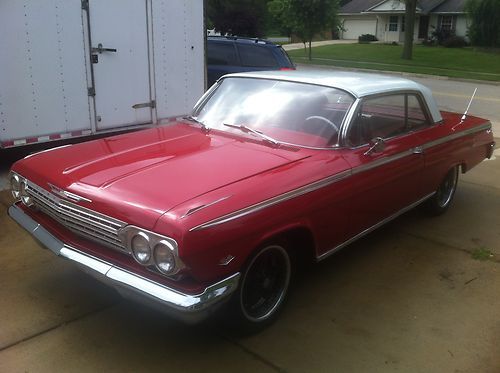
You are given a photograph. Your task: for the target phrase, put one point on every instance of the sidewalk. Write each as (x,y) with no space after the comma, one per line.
(292,46)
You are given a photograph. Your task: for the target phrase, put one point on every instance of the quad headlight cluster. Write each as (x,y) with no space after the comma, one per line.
(19,188)
(151,249)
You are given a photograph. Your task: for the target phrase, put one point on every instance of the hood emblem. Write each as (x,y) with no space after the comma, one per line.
(67,195)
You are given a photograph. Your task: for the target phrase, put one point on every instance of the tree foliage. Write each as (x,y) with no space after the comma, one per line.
(304,18)
(238,17)
(484,29)
(410,10)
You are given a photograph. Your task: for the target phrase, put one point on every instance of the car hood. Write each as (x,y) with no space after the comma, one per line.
(139,176)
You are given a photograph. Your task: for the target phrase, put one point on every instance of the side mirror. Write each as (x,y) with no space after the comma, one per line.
(376,145)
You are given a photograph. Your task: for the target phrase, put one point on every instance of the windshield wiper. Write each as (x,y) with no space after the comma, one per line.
(193,119)
(247,129)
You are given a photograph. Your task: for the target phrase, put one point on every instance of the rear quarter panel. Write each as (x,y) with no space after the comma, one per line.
(453,143)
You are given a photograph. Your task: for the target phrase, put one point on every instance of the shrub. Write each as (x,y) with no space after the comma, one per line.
(454,42)
(484,28)
(366,38)
(440,35)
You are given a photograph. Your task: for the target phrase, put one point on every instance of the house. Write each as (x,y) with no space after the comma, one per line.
(385,19)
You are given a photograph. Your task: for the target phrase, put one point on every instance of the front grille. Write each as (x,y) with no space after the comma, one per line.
(80,220)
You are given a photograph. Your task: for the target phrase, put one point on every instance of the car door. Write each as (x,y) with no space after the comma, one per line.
(386,160)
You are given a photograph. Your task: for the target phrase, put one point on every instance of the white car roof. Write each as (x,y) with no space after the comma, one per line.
(356,83)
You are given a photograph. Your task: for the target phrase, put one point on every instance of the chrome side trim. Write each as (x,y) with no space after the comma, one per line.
(483,127)
(330,180)
(274,200)
(372,228)
(187,307)
(381,161)
(201,207)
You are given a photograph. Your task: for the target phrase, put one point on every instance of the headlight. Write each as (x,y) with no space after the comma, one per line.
(15,186)
(152,249)
(25,197)
(164,257)
(140,248)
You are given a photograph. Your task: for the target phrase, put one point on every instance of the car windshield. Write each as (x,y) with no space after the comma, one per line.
(288,112)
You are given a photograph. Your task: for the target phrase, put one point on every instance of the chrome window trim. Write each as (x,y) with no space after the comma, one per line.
(360,102)
(212,90)
(274,200)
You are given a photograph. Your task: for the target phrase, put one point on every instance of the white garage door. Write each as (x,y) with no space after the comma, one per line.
(356,27)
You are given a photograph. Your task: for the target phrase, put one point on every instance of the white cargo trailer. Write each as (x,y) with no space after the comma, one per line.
(77,67)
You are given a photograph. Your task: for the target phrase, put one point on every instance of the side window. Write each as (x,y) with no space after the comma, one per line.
(416,115)
(386,117)
(221,54)
(256,56)
(378,117)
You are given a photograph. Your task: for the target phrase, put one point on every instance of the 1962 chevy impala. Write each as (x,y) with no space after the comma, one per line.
(269,170)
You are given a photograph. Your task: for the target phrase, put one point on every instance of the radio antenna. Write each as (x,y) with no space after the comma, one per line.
(468,106)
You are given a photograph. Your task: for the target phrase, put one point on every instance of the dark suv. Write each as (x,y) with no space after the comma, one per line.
(231,54)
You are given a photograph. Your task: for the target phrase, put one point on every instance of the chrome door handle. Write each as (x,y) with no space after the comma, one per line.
(101,49)
(418,150)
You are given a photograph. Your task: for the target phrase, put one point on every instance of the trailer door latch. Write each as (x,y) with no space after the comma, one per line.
(151,104)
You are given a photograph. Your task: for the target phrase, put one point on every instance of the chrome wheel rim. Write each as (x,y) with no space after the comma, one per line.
(447,188)
(265,283)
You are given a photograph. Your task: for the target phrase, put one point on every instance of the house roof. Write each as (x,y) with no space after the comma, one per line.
(426,6)
(358,6)
(450,6)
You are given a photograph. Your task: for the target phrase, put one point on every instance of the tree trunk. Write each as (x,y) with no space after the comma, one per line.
(310,52)
(411,6)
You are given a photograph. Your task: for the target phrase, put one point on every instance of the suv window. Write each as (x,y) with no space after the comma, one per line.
(386,117)
(221,54)
(252,55)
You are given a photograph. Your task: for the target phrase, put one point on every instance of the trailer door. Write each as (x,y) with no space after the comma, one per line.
(120,62)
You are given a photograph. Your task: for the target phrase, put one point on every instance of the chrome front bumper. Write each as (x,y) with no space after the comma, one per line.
(186,307)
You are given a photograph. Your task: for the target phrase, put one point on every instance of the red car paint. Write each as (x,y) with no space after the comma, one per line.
(153,178)
(222,194)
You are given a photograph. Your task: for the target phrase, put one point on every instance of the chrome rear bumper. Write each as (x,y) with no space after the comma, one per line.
(186,307)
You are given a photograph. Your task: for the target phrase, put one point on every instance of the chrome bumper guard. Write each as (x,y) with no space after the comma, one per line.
(186,307)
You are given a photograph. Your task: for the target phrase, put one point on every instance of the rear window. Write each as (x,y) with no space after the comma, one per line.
(221,54)
(256,56)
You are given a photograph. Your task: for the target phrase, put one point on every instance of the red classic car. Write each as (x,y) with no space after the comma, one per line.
(270,169)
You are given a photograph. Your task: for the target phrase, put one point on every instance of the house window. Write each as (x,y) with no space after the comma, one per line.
(393,23)
(447,23)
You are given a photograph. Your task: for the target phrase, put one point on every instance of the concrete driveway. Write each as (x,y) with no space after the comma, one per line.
(410,297)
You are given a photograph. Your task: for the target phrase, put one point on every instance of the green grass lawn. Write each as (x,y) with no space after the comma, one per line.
(454,62)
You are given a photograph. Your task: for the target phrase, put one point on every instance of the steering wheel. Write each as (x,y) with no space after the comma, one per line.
(328,121)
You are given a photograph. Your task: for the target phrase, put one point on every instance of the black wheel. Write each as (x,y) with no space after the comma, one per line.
(441,200)
(263,288)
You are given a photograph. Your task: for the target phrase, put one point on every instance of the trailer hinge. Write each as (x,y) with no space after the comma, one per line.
(85,4)
(151,104)
(91,91)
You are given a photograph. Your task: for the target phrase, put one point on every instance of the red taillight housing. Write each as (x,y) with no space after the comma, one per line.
(287,68)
